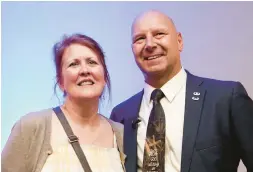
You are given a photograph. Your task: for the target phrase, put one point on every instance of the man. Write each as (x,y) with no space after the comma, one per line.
(209,123)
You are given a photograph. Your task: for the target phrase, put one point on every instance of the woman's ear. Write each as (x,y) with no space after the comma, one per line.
(60,84)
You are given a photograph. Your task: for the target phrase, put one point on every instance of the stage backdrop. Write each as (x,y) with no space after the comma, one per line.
(218,39)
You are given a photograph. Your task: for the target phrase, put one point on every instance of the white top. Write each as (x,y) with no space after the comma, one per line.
(174,106)
(64,159)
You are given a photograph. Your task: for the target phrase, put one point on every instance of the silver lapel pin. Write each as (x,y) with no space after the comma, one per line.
(195,98)
(196,94)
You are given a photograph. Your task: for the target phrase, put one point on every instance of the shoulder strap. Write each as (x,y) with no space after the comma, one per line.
(73,140)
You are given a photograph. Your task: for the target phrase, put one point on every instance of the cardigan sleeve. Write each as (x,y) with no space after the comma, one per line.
(15,150)
(28,144)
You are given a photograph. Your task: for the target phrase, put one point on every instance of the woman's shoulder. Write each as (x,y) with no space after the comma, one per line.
(35,119)
(37,115)
(115,125)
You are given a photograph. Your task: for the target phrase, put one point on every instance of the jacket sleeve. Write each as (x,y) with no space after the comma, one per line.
(242,114)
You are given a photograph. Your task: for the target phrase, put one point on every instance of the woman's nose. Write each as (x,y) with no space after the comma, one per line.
(84,70)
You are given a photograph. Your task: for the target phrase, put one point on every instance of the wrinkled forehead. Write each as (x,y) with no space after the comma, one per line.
(76,51)
(151,20)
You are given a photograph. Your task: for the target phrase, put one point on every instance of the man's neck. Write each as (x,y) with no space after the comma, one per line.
(157,81)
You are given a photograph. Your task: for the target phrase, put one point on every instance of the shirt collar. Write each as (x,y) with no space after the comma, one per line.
(170,88)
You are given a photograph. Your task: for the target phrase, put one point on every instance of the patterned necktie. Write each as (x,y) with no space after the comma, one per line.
(154,150)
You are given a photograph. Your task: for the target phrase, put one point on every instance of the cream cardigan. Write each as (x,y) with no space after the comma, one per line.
(29,146)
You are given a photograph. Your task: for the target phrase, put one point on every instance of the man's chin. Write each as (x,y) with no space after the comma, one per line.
(154,73)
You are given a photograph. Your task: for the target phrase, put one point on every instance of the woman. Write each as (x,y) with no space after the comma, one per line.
(38,141)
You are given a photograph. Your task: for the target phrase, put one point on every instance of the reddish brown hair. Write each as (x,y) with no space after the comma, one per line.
(84,40)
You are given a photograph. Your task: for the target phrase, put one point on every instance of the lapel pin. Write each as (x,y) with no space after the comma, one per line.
(196,93)
(195,98)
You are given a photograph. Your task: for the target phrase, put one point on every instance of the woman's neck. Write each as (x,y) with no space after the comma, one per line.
(83,113)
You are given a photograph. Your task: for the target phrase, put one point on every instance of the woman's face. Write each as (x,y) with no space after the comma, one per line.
(82,74)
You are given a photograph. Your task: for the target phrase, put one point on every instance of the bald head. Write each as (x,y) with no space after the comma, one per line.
(150,15)
(156,45)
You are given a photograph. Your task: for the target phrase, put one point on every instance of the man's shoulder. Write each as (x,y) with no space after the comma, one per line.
(212,83)
(131,101)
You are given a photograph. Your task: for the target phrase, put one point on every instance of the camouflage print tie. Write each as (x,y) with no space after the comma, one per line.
(154,150)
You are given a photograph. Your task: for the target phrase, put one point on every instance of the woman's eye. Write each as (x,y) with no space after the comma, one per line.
(73,64)
(92,62)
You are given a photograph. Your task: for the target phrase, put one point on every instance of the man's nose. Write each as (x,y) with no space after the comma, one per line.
(150,44)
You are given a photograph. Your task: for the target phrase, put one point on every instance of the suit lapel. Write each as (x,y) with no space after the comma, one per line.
(130,133)
(193,108)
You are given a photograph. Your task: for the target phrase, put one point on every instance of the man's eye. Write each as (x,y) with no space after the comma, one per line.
(139,39)
(159,35)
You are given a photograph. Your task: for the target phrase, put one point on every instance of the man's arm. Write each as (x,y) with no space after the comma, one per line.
(242,113)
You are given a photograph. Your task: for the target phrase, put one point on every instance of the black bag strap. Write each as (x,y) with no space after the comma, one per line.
(73,140)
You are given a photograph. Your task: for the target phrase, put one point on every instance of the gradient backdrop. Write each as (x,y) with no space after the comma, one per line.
(218,43)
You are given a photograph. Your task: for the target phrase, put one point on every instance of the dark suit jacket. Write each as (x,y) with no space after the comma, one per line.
(218,126)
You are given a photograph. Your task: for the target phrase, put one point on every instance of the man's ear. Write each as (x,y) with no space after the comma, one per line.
(180,41)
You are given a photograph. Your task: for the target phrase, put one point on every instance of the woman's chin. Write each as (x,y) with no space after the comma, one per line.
(88,97)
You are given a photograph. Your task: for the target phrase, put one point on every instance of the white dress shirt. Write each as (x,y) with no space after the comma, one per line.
(174,106)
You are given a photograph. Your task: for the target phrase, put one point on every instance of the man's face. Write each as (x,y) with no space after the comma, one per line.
(156,45)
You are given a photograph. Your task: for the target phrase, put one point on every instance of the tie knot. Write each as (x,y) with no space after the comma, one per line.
(157,95)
